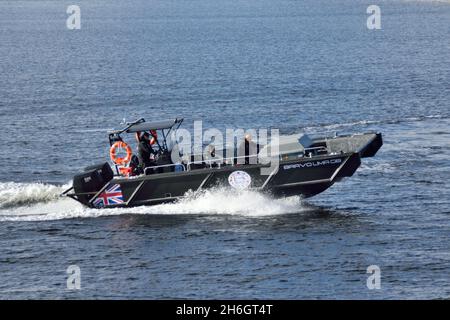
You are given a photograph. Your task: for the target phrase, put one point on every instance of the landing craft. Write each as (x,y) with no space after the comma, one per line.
(305,166)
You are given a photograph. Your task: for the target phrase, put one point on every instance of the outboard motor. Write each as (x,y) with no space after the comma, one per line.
(91,181)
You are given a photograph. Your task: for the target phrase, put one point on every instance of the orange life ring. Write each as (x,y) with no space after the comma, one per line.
(113,153)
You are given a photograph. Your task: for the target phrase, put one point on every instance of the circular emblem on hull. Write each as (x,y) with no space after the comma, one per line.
(239,180)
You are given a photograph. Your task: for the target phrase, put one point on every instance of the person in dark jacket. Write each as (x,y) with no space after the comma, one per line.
(250,149)
(146,153)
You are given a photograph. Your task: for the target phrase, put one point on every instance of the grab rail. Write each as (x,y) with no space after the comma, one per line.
(164,166)
(230,161)
(316,148)
(219,161)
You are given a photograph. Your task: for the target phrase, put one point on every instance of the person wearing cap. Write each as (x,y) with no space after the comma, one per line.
(146,153)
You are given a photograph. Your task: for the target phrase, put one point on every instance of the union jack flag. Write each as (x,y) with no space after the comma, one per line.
(112,195)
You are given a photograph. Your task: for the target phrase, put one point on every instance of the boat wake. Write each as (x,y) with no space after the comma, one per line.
(333,127)
(41,202)
(22,194)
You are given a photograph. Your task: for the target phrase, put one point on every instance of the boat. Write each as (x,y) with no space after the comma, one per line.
(306,165)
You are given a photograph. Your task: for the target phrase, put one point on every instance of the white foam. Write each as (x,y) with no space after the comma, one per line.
(231,202)
(17,194)
(40,202)
(376,167)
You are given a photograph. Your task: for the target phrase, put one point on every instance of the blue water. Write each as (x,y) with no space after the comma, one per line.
(294,65)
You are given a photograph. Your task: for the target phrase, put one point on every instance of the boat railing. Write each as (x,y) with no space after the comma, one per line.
(219,161)
(311,150)
(165,166)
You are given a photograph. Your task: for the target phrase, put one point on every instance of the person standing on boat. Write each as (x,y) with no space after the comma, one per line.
(146,153)
(250,149)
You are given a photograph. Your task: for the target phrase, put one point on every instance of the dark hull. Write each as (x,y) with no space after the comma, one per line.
(306,176)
